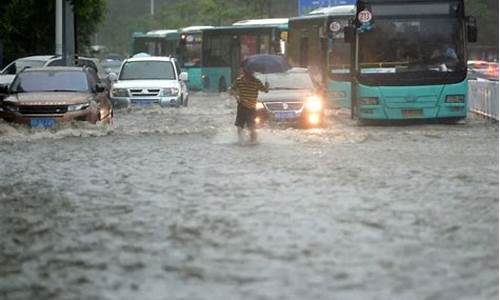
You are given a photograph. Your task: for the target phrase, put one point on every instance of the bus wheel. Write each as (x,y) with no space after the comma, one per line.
(222,85)
(185,103)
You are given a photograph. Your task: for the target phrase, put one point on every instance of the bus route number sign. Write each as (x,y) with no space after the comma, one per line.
(335,26)
(365,16)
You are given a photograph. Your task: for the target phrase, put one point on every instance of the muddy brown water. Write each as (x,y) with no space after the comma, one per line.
(166,205)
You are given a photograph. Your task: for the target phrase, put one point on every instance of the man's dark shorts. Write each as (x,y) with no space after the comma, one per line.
(245,116)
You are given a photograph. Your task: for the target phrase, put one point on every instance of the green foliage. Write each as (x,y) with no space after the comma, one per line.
(27,27)
(172,14)
(486,13)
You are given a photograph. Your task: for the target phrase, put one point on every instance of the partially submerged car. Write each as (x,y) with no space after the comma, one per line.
(150,80)
(20,64)
(292,99)
(41,97)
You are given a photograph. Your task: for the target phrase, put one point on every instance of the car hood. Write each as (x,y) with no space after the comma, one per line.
(285,95)
(47,98)
(6,79)
(130,84)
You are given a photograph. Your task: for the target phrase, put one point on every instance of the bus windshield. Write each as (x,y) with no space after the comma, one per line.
(396,45)
(192,51)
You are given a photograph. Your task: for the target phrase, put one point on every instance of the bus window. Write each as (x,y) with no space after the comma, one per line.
(217,51)
(248,46)
(192,51)
(264,44)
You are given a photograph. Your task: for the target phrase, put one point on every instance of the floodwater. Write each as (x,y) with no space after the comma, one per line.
(166,205)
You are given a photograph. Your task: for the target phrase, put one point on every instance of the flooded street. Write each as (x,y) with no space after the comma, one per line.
(166,205)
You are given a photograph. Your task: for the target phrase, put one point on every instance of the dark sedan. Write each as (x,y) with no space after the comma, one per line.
(291,100)
(41,97)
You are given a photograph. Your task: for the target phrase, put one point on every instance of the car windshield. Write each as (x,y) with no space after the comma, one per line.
(49,81)
(287,81)
(143,70)
(409,44)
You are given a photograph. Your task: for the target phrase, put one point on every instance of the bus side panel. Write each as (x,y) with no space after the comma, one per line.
(214,77)
(412,102)
(194,82)
(339,94)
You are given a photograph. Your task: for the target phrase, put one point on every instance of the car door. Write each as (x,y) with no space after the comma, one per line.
(184,89)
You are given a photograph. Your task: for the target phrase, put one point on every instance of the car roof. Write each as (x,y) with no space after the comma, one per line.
(62,69)
(38,57)
(194,28)
(150,58)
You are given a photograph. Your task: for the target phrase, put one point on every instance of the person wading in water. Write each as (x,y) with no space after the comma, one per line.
(246,90)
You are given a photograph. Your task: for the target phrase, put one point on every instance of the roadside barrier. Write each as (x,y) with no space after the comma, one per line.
(483,98)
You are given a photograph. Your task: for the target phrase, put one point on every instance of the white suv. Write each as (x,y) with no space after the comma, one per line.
(150,80)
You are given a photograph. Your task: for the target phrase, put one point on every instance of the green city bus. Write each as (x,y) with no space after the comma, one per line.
(190,54)
(410,59)
(224,48)
(316,41)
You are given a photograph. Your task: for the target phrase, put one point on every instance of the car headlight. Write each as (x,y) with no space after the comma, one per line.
(169,92)
(77,107)
(455,99)
(259,106)
(314,103)
(368,101)
(119,92)
(10,107)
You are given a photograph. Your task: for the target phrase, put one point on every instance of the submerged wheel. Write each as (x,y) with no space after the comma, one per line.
(222,85)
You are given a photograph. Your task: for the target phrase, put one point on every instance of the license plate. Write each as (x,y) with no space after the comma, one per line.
(412,113)
(285,115)
(45,123)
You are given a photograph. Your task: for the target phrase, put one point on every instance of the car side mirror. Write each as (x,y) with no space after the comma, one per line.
(113,77)
(471,30)
(184,76)
(349,34)
(4,89)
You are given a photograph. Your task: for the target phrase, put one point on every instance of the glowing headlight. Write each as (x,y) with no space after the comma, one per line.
(259,106)
(314,119)
(77,107)
(314,103)
(119,92)
(169,92)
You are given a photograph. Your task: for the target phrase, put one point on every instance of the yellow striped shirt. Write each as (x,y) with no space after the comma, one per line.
(248,90)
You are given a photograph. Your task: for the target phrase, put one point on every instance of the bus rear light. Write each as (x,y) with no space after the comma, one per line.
(368,101)
(455,99)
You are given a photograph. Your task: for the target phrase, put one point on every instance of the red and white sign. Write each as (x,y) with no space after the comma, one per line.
(365,16)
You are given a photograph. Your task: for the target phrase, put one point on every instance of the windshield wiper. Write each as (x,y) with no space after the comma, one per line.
(60,91)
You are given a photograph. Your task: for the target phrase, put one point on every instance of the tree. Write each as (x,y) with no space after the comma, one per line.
(27,27)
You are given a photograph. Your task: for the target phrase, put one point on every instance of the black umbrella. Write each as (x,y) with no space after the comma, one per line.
(265,64)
